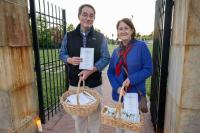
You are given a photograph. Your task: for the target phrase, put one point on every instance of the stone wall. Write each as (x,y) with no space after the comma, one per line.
(182,114)
(18,94)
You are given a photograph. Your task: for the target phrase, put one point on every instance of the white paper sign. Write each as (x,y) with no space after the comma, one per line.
(131,103)
(84,98)
(87,55)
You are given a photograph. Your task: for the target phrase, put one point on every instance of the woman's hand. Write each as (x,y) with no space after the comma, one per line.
(74,60)
(126,83)
(122,91)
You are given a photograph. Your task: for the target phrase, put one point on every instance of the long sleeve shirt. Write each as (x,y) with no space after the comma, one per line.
(100,64)
(139,66)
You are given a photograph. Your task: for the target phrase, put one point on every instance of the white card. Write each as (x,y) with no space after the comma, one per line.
(87,55)
(131,103)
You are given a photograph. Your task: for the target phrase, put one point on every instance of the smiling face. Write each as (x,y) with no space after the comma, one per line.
(124,32)
(86,18)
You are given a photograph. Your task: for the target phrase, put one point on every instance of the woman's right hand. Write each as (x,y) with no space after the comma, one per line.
(74,60)
(126,83)
(121,91)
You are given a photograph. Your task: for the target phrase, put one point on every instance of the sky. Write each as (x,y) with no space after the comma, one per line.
(108,12)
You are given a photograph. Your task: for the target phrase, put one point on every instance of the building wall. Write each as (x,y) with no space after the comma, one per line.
(182,114)
(18,94)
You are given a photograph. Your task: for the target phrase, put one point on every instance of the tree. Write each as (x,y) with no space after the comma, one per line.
(98,30)
(44,33)
(56,36)
(138,36)
(70,27)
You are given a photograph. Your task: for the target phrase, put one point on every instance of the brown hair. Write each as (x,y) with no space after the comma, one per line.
(85,5)
(130,24)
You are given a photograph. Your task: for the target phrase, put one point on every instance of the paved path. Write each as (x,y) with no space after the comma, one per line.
(63,123)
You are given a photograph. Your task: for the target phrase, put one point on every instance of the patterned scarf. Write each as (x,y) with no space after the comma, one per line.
(122,54)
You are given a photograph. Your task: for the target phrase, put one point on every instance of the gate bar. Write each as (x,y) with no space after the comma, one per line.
(165,60)
(37,59)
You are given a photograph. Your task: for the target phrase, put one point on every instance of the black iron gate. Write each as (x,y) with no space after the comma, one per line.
(48,25)
(161,45)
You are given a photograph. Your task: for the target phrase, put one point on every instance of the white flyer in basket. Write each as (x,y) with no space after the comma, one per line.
(87,55)
(84,98)
(131,103)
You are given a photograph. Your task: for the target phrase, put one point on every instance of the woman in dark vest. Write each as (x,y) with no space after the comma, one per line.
(85,36)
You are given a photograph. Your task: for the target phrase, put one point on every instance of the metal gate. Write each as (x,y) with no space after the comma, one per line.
(48,25)
(161,45)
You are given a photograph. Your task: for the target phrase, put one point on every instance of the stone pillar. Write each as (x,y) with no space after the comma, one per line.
(18,94)
(182,114)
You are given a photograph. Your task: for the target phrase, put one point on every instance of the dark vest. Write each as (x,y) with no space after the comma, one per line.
(74,43)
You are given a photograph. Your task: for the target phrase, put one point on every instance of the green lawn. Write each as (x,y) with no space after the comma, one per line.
(53,76)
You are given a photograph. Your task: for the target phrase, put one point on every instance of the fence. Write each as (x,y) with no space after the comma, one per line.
(48,25)
(161,45)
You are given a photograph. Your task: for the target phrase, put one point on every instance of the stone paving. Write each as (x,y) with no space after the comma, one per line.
(63,123)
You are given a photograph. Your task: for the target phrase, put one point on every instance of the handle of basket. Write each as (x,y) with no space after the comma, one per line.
(119,104)
(78,90)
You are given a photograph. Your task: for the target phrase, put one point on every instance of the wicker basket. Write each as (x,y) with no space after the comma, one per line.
(117,121)
(80,110)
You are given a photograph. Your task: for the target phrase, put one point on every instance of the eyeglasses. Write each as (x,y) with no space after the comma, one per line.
(86,15)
